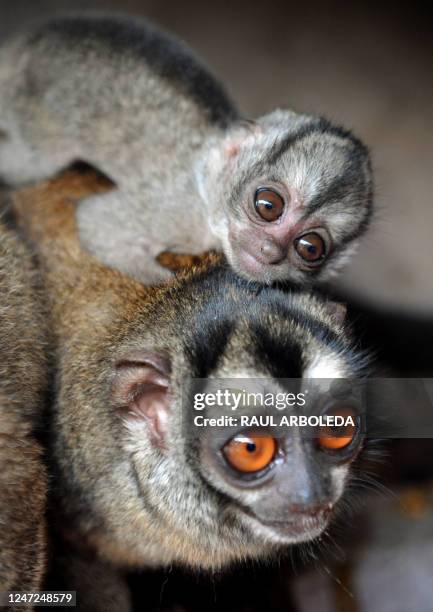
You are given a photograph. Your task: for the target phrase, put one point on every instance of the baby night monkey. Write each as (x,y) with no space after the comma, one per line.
(285,197)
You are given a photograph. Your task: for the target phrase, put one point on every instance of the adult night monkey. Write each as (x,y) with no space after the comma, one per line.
(285,197)
(135,485)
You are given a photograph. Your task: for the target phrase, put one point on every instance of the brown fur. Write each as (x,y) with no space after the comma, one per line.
(46,214)
(22,382)
(90,306)
(108,514)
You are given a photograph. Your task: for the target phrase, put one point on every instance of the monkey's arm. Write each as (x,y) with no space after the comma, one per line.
(108,230)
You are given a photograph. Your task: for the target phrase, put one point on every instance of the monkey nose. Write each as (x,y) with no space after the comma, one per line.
(272,252)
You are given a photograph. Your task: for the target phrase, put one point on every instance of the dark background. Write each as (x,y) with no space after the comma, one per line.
(368,66)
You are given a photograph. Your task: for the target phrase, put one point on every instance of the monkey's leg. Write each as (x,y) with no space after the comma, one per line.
(109,230)
(99,587)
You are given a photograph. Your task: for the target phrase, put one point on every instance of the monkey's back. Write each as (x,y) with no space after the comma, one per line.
(22,383)
(105,84)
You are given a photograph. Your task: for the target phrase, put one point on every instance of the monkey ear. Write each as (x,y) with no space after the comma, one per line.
(243,130)
(336,311)
(140,391)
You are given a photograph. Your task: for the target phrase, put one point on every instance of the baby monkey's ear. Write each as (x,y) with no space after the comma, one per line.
(242,132)
(140,391)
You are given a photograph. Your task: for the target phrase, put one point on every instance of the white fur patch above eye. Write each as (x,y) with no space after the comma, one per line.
(326,367)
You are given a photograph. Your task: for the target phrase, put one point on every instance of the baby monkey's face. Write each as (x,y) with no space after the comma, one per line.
(279,239)
(297,194)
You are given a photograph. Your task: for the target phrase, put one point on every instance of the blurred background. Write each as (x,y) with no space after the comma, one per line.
(368,66)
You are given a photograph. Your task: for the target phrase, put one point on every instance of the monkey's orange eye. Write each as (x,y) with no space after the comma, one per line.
(250,453)
(311,247)
(268,204)
(338,436)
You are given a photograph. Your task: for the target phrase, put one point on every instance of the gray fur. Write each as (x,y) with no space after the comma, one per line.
(136,104)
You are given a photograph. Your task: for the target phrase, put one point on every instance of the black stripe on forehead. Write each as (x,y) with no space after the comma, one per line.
(355,172)
(281,357)
(364,222)
(270,157)
(315,126)
(206,344)
(283,354)
(357,232)
(285,351)
(266,313)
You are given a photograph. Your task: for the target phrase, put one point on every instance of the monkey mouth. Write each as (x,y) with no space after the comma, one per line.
(301,528)
(251,266)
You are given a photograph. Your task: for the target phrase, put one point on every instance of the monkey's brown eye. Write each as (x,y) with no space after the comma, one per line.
(338,436)
(311,247)
(250,453)
(268,204)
